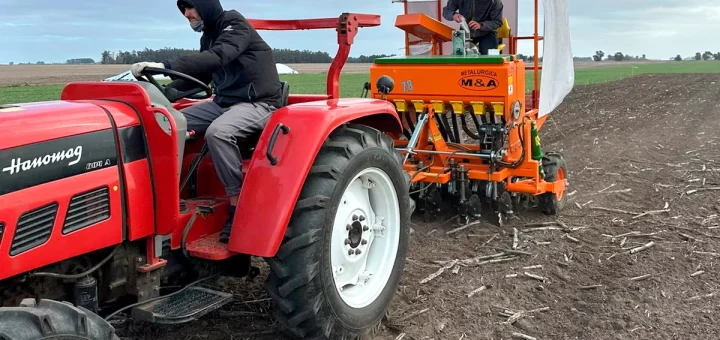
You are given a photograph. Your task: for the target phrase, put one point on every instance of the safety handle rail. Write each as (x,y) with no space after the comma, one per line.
(271,144)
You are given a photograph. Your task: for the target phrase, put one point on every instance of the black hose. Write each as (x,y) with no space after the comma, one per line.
(409,122)
(81,275)
(517,163)
(467,129)
(456,129)
(442,126)
(448,128)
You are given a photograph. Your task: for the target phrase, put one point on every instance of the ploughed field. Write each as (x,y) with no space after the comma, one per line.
(634,255)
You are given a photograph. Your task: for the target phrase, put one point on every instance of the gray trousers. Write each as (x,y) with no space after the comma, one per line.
(222,127)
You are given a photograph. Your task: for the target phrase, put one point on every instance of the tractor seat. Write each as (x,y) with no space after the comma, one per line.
(503,32)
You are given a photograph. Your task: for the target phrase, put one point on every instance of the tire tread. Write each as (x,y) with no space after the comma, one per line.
(293,281)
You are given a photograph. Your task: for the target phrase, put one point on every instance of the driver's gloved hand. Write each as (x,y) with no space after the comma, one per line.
(137,68)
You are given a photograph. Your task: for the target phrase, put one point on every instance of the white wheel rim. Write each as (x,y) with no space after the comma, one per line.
(370,201)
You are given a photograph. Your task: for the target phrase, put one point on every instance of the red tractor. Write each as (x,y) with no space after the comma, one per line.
(105,198)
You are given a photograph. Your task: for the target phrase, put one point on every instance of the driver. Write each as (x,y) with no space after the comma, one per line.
(247,87)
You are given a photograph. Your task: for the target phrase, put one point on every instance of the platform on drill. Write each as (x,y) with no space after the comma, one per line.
(424,27)
(446,59)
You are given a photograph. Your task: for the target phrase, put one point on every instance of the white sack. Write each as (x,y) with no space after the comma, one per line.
(558,70)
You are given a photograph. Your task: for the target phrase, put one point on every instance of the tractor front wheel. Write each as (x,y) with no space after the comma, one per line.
(48,319)
(344,249)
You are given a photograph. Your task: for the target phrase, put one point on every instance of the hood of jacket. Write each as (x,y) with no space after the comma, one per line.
(210,10)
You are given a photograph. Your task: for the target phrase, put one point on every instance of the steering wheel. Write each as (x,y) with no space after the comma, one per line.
(171,94)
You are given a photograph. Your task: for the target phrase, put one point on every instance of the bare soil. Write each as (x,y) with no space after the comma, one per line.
(634,255)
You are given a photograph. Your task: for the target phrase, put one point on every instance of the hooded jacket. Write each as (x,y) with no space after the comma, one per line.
(488,13)
(232,55)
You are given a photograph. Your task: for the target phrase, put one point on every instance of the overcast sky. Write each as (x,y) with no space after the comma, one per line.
(54,31)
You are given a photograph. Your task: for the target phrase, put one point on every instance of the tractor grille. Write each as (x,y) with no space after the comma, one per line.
(33,228)
(87,209)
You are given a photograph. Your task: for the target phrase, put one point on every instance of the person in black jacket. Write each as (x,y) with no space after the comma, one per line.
(247,86)
(483,17)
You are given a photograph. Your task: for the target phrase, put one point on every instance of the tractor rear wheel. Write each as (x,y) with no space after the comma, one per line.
(344,250)
(553,164)
(48,319)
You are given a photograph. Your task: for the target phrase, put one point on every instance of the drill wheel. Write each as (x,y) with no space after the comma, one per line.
(555,170)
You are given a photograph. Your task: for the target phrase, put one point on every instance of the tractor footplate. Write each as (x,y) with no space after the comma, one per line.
(188,305)
(209,248)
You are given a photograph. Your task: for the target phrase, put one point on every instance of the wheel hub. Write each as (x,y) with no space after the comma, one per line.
(365,237)
(356,228)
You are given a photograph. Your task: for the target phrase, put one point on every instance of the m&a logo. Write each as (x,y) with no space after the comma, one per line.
(18,165)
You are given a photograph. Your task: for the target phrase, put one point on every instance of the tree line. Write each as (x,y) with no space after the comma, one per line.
(619,56)
(286,56)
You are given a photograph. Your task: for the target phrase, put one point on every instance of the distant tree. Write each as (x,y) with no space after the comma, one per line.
(716,56)
(522,57)
(39,63)
(698,56)
(280,56)
(80,61)
(598,55)
(678,58)
(707,55)
(644,57)
(12,63)
(107,57)
(619,56)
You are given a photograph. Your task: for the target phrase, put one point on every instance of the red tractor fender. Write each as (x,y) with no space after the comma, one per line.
(291,139)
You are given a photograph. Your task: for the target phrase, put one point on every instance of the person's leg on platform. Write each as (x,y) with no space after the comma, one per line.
(239,121)
(486,42)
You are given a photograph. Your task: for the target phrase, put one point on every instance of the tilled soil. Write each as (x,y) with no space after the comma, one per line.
(634,255)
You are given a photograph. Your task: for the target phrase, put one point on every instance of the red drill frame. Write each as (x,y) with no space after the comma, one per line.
(346,26)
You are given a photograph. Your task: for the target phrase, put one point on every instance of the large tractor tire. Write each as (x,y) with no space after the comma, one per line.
(343,253)
(48,319)
(553,164)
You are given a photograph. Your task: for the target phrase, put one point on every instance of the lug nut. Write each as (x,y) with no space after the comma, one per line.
(351,252)
(347,241)
(348,227)
(364,242)
(357,252)
(355,217)
(362,218)
(365,228)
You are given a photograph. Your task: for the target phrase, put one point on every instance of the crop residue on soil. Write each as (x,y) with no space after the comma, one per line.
(633,256)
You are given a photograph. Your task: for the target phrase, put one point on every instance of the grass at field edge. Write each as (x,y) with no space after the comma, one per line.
(351,85)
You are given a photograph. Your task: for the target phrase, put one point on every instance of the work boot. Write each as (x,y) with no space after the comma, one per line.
(225,234)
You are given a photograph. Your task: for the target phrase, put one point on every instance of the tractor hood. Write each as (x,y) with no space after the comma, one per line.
(47,123)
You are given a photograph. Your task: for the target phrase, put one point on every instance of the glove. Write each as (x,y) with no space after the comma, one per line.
(139,67)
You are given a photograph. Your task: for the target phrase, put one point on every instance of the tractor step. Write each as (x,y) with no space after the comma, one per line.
(185,306)
(209,248)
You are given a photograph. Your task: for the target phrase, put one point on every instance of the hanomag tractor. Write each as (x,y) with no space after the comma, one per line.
(106,201)
(470,130)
